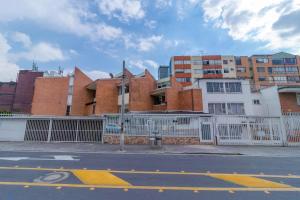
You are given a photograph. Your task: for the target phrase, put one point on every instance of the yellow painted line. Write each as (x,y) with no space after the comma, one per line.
(99,177)
(249,181)
(155,172)
(28,184)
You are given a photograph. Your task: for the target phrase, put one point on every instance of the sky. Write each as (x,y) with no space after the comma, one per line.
(97,35)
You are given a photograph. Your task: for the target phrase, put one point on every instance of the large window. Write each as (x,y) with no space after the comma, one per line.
(238,60)
(241,69)
(212,62)
(183,80)
(293,78)
(217,108)
(196,62)
(198,71)
(215,87)
(262,60)
(233,87)
(235,109)
(229,108)
(280,79)
(212,71)
(291,69)
(183,70)
(260,69)
(289,61)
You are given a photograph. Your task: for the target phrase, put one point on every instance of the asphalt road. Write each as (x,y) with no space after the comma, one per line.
(72,176)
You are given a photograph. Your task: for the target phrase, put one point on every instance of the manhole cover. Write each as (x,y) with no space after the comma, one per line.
(52,177)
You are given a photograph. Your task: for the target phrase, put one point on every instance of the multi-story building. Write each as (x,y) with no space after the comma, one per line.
(76,94)
(280,69)
(263,70)
(163,71)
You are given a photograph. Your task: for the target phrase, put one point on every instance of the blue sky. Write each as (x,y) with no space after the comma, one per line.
(97,35)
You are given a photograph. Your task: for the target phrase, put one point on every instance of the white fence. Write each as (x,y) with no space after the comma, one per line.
(221,130)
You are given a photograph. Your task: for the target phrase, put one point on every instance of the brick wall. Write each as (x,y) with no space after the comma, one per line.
(140,92)
(107,96)
(81,95)
(50,96)
(288,102)
(7,92)
(190,100)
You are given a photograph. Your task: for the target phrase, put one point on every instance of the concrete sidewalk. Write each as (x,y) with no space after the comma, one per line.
(145,149)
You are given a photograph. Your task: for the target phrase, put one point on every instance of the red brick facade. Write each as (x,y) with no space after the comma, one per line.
(288,102)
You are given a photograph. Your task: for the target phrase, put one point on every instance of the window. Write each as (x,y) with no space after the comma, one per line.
(256,101)
(293,78)
(298,98)
(161,99)
(187,62)
(68,110)
(291,61)
(233,87)
(212,62)
(215,87)
(226,70)
(217,108)
(126,90)
(241,69)
(277,61)
(183,80)
(261,78)
(212,71)
(178,62)
(291,69)
(260,69)
(235,109)
(196,62)
(238,61)
(225,62)
(198,71)
(280,79)
(183,71)
(262,60)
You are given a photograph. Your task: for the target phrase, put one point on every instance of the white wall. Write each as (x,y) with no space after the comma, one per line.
(12,129)
(271,101)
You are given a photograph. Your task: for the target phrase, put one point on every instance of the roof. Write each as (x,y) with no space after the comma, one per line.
(286,89)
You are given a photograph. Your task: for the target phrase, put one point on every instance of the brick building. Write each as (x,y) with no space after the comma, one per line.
(77,94)
(7,92)
(24,90)
(17,96)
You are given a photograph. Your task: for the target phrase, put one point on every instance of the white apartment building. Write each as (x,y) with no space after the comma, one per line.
(229,97)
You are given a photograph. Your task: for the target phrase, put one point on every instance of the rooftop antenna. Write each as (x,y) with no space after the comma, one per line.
(35,67)
(60,70)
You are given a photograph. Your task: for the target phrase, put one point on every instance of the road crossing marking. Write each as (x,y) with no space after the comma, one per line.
(249,181)
(99,177)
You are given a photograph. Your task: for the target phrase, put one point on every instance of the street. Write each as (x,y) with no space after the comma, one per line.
(36,175)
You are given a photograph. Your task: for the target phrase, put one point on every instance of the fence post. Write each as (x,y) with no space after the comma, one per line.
(50,130)
(249,134)
(283,132)
(103,128)
(76,132)
(215,132)
(200,129)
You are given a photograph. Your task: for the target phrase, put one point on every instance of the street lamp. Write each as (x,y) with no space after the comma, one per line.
(122,135)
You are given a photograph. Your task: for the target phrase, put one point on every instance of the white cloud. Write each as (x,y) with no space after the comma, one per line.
(274,22)
(147,44)
(142,44)
(42,52)
(8,70)
(124,10)
(163,4)
(22,38)
(66,16)
(143,64)
(183,8)
(96,74)
(73,52)
(150,24)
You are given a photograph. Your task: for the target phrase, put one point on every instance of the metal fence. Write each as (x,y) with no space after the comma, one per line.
(221,130)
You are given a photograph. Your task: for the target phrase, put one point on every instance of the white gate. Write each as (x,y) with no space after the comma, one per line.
(242,130)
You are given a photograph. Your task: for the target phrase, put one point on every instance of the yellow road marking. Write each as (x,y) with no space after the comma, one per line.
(155,172)
(126,188)
(249,181)
(98,177)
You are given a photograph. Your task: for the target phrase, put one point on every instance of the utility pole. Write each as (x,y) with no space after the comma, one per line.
(122,135)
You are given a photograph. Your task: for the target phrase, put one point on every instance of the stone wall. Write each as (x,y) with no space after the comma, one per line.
(143,140)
